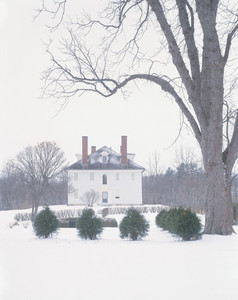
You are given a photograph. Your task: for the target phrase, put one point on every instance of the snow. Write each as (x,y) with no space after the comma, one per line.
(158,267)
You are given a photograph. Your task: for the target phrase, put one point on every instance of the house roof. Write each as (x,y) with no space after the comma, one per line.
(113,161)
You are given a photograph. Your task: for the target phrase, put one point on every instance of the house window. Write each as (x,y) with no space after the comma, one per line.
(104,197)
(91,176)
(104,157)
(104,179)
(76,177)
(133,176)
(76,193)
(117,176)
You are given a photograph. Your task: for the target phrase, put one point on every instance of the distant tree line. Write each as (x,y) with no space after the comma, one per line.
(15,194)
(184,186)
(37,176)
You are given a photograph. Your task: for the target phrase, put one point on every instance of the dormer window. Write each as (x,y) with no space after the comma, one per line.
(104,157)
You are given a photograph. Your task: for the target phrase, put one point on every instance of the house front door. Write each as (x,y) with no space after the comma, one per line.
(104,197)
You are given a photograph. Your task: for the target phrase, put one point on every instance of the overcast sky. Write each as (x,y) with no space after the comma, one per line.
(149,119)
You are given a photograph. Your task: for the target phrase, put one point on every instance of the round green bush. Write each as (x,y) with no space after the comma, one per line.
(159,220)
(187,225)
(134,225)
(45,223)
(169,219)
(180,222)
(89,226)
(165,219)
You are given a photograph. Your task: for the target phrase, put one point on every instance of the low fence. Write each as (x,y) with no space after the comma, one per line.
(75,213)
(60,214)
(142,209)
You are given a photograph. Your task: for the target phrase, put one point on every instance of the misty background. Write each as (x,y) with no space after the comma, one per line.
(150,119)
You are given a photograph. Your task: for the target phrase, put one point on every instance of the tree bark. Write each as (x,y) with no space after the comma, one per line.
(218,211)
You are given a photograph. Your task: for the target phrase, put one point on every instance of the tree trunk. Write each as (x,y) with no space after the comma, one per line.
(218,205)
(229,191)
(34,210)
(33,215)
(218,211)
(236,214)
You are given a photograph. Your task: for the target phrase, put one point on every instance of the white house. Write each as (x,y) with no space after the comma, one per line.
(114,178)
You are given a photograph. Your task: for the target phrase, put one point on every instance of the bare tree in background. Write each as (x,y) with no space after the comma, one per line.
(197,35)
(184,186)
(190,186)
(154,164)
(12,189)
(151,180)
(91,197)
(37,166)
(186,156)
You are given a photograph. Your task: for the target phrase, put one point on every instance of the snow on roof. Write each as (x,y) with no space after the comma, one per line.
(113,161)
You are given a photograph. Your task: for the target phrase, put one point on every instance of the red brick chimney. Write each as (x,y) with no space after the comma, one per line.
(93,149)
(84,150)
(124,150)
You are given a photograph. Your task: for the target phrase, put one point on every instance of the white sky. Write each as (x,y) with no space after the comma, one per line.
(147,117)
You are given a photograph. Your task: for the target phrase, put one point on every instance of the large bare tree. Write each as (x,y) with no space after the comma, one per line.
(37,166)
(197,37)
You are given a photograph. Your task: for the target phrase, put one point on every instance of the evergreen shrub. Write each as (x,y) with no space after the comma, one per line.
(180,222)
(159,220)
(169,219)
(45,223)
(134,225)
(187,225)
(89,226)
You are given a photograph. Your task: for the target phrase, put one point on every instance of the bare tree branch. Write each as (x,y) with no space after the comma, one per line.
(173,46)
(57,12)
(188,32)
(228,43)
(232,149)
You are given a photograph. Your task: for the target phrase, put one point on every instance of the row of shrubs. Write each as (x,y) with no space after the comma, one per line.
(180,222)
(133,226)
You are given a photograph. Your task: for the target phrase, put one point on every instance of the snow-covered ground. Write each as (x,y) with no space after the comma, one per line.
(159,267)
